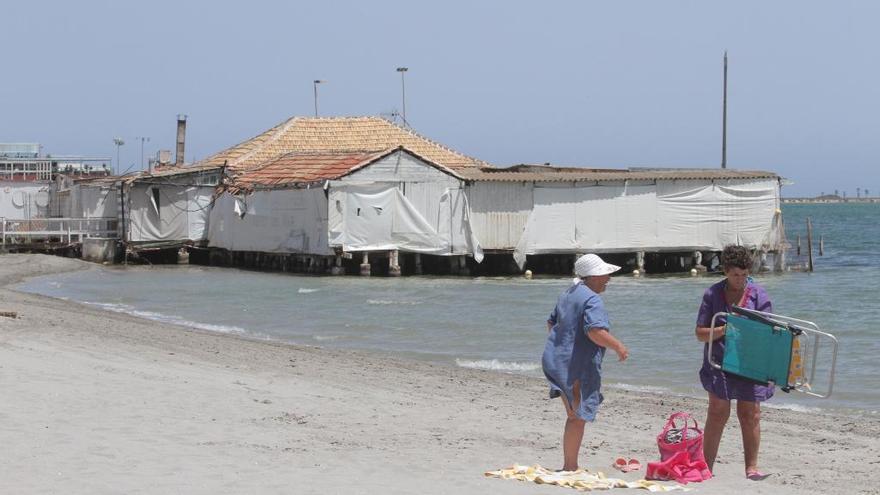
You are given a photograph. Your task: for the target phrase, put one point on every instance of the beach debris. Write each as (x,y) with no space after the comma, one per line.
(582,479)
(9,314)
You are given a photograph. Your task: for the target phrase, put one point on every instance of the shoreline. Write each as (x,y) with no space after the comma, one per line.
(102,402)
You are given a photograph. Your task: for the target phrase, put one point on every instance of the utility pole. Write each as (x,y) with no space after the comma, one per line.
(724,118)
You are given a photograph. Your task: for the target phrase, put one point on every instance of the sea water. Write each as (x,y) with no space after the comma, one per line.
(500,323)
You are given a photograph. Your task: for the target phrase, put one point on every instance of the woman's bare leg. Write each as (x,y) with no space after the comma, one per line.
(573,435)
(749,415)
(716,418)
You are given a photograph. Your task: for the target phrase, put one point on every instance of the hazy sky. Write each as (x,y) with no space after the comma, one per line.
(582,83)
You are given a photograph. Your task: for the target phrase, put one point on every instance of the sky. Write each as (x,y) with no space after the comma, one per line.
(610,84)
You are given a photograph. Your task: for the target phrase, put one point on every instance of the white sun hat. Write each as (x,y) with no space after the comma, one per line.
(591,265)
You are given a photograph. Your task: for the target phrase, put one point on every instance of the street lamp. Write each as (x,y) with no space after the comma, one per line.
(402,71)
(118,142)
(315,84)
(142,138)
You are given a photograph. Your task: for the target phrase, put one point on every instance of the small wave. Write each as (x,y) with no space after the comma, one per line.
(794,407)
(171,319)
(386,301)
(306,291)
(651,389)
(496,365)
(326,337)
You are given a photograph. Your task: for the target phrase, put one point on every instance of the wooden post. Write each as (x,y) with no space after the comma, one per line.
(809,245)
(821,245)
(418,263)
(4,233)
(799,245)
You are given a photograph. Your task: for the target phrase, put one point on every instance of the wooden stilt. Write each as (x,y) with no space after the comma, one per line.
(393,264)
(809,245)
(365,265)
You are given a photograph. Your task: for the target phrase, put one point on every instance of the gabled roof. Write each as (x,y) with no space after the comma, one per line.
(544,173)
(300,168)
(336,135)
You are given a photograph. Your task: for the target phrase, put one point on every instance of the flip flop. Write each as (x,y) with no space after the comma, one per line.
(756,475)
(620,464)
(633,465)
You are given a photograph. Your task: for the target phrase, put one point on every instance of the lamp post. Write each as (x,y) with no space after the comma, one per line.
(118,142)
(315,85)
(143,139)
(402,71)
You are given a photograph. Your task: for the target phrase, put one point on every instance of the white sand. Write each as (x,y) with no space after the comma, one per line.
(95,402)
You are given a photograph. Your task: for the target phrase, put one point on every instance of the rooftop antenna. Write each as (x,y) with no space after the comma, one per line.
(724,118)
(315,84)
(402,71)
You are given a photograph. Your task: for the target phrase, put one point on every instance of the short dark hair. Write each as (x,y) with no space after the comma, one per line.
(736,256)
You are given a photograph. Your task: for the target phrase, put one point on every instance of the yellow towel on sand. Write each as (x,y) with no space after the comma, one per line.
(581,479)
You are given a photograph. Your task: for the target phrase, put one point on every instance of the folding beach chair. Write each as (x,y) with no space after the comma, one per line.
(769,348)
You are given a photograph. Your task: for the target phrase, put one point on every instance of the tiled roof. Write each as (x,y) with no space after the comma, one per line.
(336,135)
(301,168)
(543,173)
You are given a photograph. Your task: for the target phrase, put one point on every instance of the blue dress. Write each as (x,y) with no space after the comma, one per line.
(570,355)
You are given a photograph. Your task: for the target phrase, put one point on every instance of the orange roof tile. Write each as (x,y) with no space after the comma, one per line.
(302,168)
(336,135)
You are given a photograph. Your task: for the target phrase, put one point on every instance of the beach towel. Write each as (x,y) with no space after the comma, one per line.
(581,479)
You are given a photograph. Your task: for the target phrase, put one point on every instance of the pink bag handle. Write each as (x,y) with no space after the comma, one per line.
(670,423)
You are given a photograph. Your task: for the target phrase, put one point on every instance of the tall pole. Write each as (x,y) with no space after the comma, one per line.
(315,85)
(402,71)
(118,142)
(724,118)
(143,139)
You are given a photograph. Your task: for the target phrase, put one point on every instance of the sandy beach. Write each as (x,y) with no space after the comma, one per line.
(97,402)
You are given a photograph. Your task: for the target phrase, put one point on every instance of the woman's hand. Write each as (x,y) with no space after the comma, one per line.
(703,333)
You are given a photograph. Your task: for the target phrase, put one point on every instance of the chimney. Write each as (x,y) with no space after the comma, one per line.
(181,138)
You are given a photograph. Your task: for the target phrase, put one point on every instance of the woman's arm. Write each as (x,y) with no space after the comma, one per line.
(603,337)
(702,333)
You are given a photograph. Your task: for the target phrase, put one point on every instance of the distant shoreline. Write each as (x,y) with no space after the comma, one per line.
(829,200)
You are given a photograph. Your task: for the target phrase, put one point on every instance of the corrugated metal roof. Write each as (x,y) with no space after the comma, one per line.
(543,173)
(336,135)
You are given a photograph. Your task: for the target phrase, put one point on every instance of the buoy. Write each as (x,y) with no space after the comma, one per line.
(693,272)
(528,274)
(636,272)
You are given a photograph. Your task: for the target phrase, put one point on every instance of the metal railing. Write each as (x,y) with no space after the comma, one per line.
(25,231)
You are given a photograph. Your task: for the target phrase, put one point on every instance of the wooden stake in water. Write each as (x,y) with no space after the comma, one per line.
(809,245)
(821,245)
(799,245)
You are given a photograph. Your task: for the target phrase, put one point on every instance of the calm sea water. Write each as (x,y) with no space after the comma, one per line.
(498,323)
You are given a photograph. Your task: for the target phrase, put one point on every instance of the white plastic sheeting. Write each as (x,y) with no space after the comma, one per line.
(168,212)
(275,221)
(378,216)
(24,200)
(669,215)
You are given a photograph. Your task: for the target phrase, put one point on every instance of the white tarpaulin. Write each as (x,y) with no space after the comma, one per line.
(275,221)
(671,215)
(168,212)
(378,216)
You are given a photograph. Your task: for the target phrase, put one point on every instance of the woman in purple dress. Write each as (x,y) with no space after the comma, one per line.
(738,289)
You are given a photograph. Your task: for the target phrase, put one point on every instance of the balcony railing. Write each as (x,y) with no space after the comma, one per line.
(26,231)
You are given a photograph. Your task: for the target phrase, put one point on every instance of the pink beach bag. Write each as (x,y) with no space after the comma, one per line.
(679,436)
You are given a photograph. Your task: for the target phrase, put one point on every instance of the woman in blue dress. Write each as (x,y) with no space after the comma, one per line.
(738,289)
(578,336)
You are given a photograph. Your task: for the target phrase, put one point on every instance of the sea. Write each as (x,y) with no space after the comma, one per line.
(499,323)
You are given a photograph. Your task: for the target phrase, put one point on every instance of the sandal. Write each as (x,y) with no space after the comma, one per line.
(624,466)
(755,475)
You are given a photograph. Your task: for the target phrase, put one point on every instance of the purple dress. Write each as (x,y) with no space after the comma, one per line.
(723,385)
